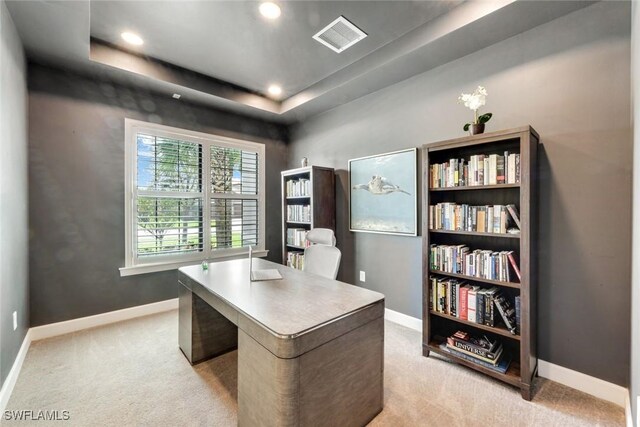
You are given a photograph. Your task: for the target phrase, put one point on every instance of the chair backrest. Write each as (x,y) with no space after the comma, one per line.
(321,236)
(322,257)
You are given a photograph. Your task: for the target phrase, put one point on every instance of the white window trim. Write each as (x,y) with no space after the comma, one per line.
(132,264)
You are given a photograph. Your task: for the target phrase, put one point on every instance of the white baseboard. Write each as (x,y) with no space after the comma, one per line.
(628,414)
(586,383)
(61,328)
(403,319)
(574,379)
(12,378)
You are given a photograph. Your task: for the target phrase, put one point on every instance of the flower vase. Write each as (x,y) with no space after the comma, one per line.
(476,129)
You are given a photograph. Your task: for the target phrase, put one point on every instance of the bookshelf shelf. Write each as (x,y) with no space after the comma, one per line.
(522,141)
(477,279)
(512,376)
(476,187)
(498,331)
(295,247)
(477,233)
(318,198)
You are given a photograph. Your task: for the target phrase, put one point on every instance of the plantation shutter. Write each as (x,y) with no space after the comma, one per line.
(169,197)
(234,206)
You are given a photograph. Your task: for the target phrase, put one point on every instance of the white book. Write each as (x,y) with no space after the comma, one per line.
(511,167)
(485,167)
(493,169)
(471,304)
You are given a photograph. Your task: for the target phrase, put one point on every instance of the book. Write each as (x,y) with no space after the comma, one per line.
(501,367)
(481,348)
(511,168)
(512,261)
(480,306)
(500,170)
(479,169)
(463,301)
(471,304)
(489,312)
(513,211)
(476,356)
(517,304)
(506,312)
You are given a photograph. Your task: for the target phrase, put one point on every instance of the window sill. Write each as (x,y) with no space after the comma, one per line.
(165,266)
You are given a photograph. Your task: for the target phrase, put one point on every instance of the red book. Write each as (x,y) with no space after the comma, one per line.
(512,260)
(464,290)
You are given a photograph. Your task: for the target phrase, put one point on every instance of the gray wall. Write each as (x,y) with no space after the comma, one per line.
(76,172)
(13,194)
(570,80)
(635,282)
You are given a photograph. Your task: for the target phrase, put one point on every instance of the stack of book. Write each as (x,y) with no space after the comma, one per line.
(297,237)
(484,264)
(484,219)
(298,188)
(481,350)
(295,260)
(481,169)
(299,213)
(474,304)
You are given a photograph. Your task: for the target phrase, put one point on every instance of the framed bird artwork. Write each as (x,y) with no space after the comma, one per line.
(383,193)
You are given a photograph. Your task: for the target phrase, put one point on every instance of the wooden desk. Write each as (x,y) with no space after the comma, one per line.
(310,349)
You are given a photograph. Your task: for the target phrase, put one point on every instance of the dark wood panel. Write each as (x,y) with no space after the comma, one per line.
(477,233)
(523,140)
(322,200)
(203,332)
(341,382)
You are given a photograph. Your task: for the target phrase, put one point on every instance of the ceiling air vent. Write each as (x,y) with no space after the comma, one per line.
(340,35)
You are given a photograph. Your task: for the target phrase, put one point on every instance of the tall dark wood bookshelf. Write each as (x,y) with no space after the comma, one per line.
(320,198)
(436,325)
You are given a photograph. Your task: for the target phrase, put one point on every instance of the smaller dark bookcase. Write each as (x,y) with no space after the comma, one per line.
(308,201)
(437,325)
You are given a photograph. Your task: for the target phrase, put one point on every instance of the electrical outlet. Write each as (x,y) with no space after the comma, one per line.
(362,276)
(15,320)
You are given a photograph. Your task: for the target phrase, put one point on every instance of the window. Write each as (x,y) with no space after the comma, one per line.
(189,197)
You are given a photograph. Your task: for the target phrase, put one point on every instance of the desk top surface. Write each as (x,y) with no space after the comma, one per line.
(291,306)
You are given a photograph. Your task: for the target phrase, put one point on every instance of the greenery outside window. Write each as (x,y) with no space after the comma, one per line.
(189,197)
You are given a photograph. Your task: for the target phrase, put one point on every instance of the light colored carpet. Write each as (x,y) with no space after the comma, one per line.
(132,373)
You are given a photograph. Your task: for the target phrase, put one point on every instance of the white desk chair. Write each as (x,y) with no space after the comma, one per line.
(322,257)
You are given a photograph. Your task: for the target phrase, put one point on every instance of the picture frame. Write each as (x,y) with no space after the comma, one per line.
(383,193)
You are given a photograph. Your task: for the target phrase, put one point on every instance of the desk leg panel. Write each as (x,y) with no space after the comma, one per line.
(339,383)
(267,386)
(203,333)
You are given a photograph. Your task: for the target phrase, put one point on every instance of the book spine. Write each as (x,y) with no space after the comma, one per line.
(517,303)
(471,305)
(469,348)
(512,261)
(491,366)
(506,313)
(473,355)
(464,293)
(480,307)
(488,303)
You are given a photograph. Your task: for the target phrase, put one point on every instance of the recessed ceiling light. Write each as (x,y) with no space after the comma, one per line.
(270,10)
(275,90)
(176,95)
(132,38)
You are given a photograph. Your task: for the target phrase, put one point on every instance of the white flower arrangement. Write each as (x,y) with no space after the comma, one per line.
(474,101)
